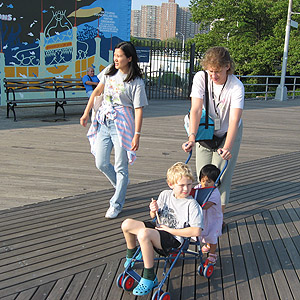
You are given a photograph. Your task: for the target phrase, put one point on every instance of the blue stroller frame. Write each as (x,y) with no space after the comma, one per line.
(127,279)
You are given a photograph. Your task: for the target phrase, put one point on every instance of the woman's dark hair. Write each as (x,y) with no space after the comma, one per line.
(211,171)
(134,70)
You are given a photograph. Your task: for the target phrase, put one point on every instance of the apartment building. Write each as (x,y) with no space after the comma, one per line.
(135,28)
(162,22)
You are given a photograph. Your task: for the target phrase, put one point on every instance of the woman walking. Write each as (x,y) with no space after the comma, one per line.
(226,103)
(118,121)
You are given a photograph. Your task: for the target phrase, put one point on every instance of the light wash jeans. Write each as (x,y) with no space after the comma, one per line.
(107,138)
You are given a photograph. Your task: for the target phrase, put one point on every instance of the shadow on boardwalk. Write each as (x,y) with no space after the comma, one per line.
(65,249)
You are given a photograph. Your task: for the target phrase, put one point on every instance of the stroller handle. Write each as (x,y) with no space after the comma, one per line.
(189,157)
(222,171)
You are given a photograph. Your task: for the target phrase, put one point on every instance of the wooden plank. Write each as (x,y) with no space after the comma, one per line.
(292,223)
(17,285)
(91,283)
(75,286)
(227,268)
(60,288)
(27,294)
(215,282)
(265,273)
(43,291)
(10,297)
(268,201)
(250,262)
(287,238)
(202,287)
(189,274)
(175,279)
(58,264)
(114,292)
(282,254)
(241,279)
(293,210)
(107,281)
(282,286)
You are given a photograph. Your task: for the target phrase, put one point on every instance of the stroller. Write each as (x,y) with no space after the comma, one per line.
(127,279)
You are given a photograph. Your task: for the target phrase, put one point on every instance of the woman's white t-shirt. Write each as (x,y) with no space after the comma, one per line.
(230,95)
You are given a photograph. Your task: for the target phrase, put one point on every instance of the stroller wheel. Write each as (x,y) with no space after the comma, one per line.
(165,296)
(208,271)
(157,294)
(200,270)
(128,283)
(120,280)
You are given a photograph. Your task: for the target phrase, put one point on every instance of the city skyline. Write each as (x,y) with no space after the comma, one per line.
(136,4)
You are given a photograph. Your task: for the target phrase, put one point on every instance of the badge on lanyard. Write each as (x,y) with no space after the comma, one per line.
(217,122)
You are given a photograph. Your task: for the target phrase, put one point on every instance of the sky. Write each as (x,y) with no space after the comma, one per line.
(136,4)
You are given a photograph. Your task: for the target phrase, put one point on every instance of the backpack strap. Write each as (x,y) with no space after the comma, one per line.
(206,99)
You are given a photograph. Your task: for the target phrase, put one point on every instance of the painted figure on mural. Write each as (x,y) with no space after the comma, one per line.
(25,20)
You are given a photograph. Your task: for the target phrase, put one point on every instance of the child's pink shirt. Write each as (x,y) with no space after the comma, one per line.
(212,218)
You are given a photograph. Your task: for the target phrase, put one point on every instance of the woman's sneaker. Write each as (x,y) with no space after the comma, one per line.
(112,213)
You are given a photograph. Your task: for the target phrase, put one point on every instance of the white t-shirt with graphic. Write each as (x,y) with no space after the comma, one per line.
(118,92)
(230,95)
(179,213)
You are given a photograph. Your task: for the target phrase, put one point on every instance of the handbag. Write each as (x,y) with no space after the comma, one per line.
(206,127)
(214,143)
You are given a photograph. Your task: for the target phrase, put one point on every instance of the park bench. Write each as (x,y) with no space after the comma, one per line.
(59,91)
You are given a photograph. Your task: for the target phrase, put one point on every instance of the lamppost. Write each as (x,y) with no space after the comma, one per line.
(281,91)
(183,38)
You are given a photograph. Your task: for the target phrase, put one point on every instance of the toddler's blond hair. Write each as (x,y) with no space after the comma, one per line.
(177,171)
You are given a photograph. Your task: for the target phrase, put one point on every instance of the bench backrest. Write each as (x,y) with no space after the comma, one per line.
(69,84)
(46,84)
(58,85)
(29,85)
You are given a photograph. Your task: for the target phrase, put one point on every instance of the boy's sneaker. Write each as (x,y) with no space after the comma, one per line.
(112,213)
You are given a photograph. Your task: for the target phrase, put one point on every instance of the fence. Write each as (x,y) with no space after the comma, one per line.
(262,86)
(169,70)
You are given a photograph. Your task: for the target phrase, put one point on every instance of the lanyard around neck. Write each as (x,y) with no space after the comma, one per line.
(213,96)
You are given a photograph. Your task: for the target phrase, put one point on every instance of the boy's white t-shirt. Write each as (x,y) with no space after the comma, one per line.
(230,95)
(178,213)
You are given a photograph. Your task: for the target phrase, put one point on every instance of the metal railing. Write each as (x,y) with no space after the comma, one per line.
(171,67)
(266,85)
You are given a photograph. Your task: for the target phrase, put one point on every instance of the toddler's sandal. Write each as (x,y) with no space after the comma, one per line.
(205,249)
(212,259)
(145,286)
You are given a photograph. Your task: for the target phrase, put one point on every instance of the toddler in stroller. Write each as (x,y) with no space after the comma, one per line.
(212,210)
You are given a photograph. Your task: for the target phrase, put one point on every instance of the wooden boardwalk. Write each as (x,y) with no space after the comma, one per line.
(66,249)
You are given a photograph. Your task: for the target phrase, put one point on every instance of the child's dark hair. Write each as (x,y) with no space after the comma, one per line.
(134,69)
(211,171)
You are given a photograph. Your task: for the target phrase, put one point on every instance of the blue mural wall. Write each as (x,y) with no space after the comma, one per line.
(47,38)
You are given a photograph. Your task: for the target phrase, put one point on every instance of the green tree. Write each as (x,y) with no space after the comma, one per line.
(252,30)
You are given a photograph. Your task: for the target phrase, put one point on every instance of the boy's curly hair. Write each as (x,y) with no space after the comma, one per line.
(177,171)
